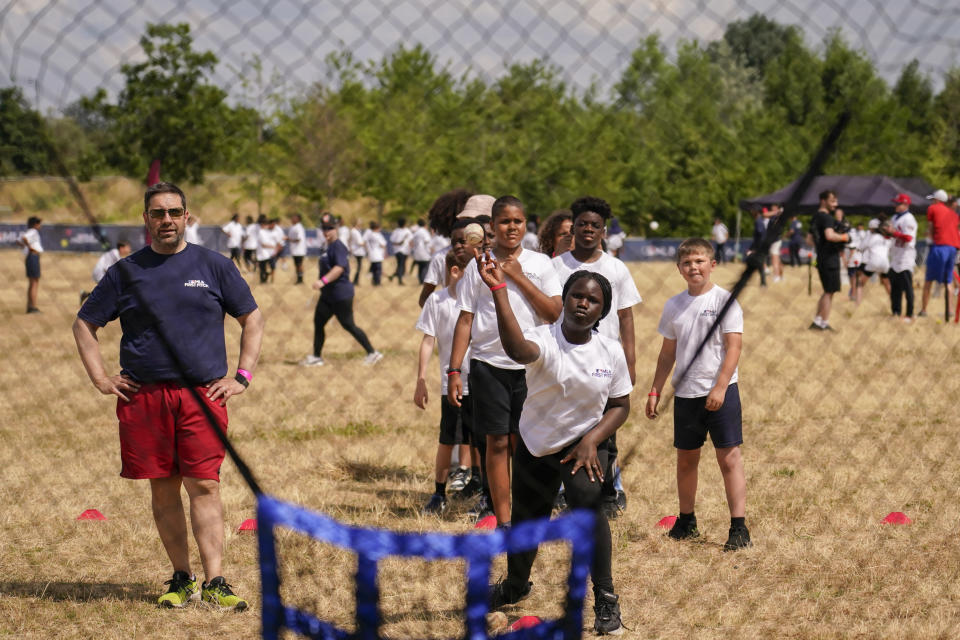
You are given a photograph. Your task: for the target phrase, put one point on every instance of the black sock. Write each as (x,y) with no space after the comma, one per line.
(738,522)
(440,488)
(687,517)
(475,473)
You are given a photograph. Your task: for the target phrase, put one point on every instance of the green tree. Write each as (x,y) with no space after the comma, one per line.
(25,146)
(757,40)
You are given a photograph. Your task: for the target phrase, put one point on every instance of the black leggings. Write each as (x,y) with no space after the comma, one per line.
(356,275)
(343,309)
(901,282)
(535,485)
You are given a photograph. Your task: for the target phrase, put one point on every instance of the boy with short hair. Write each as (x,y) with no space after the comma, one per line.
(707,398)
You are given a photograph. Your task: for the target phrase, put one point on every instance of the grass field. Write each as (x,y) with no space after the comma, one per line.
(840,430)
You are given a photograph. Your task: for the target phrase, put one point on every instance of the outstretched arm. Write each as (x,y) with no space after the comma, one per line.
(518,348)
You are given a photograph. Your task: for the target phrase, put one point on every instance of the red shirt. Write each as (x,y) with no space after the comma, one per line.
(943,224)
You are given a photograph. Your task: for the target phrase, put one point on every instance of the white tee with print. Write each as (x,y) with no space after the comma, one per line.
(687,319)
(234,231)
(568,387)
(903,255)
(625,294)
(375,245)
(298,240)
(438,318)
(475,296)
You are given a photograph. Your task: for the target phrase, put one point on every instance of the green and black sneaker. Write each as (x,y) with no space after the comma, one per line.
(183,589)
(218,594)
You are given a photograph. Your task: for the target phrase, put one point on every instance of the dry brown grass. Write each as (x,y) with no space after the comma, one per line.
(840,430)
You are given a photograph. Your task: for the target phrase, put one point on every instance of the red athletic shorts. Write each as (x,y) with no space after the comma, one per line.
(164,432)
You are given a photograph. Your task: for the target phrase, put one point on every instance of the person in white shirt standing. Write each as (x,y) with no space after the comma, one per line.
(401,239)
(590,216)
(297,237)
(30,241)
(420,249)
(903,255)
(376,247)
(267,248)
(251,233)
(358,249)
(720,234)
(192,232)
(107,260)
(234,232)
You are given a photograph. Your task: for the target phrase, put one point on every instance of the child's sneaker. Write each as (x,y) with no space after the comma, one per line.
(684,529)
(739,538)
(183,589)
(606,614)
(218,594)
(458,479)
(373,358)
(469,490)
(501,594)
(436,506)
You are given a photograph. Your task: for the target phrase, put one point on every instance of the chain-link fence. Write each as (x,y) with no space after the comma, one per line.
(672,111)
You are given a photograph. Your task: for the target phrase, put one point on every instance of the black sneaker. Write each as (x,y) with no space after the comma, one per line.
(501,594)
(458,479)
(684,529)
(469,490)
(606,614)
(436,506)
(621,499)
(481,509)
(610,508)
(739,538)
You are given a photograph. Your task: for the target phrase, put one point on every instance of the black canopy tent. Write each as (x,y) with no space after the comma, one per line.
(865,195)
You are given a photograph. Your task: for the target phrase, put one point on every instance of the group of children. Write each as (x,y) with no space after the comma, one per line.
(537,356)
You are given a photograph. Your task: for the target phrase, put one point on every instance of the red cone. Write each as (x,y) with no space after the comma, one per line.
(490,522)
(525,622)
(896,517)
(91,514)
(248,525)
(667,522)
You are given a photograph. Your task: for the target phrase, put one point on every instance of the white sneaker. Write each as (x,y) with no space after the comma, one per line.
(373,358)
(312,361)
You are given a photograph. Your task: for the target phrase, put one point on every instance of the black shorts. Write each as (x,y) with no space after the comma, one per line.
(234,253)
(498,396)
(32,263)
(692,422)
(829,278)
(455,424)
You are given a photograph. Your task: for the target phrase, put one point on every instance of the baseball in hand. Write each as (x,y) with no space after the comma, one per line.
(473,234)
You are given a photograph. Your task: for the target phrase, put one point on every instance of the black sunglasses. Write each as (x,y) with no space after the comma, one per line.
(159,214)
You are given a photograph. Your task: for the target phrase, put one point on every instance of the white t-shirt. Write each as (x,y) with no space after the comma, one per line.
(279,235)
(720,233)
(436,270)
(687,319)
(625,293)
(234,231)
(474,296)
(298,240)
(266,243)
(420,245)
(31,238)
(568,387)
(251,236)
(192,234)
(903,255)
(356,245)
(375,245)
(438,318)
(615,241)
(530,241)
(107,260)
(400,239)
(343,235)
(438,243)
(876,253)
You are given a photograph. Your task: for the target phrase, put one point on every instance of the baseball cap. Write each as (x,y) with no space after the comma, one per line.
(901,198)
(939,194)
(478,205)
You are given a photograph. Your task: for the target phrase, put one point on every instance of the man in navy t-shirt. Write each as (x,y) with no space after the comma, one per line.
(171,298)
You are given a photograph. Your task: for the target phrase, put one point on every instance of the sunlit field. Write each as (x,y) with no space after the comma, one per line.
(840,430)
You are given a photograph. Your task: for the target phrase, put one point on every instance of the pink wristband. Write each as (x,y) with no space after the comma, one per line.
(246,374)
(498,286)
(323,279)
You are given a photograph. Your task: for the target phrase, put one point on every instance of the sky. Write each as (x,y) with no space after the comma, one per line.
(60,50)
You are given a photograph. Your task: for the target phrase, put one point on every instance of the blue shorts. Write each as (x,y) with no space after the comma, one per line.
(940,260)
(32,263)
(692,422)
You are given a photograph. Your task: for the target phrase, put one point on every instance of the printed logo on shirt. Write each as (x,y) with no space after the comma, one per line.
(196,283)
(708,313)
(533,277)
(602,373)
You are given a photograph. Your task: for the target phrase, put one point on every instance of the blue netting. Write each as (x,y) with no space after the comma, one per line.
(370,545)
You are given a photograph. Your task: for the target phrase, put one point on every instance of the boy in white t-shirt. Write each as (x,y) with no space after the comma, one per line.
(376,246)
(497,382)
(437,321)
(707,399)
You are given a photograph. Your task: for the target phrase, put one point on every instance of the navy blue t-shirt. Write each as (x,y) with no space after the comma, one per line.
(186,294)
(332,255)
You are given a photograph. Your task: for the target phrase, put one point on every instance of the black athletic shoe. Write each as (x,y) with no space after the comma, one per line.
(621,499)
(606,614)
(471,489)
(684,529)
(481,509)
(610,508)
(501,594)
(739,538)
(436,506)
(560,502)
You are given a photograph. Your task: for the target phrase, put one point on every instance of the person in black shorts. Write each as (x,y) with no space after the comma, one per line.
(829,243)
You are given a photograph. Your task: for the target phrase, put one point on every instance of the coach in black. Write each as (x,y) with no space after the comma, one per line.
(171,298)
(829,243)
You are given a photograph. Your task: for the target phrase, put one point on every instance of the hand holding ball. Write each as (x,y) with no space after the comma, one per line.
(473,234)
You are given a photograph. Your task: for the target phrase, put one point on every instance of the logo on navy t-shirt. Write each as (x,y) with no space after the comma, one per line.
(196,283)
